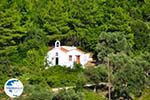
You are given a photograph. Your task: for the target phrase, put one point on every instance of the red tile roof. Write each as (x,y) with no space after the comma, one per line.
(63,49)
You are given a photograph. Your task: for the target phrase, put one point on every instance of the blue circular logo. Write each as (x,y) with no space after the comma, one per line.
(13,88)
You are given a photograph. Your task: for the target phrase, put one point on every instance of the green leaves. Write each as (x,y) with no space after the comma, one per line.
(118,30)
(69,95)
(129,73)
(130,78)
(111,43)
(96,75)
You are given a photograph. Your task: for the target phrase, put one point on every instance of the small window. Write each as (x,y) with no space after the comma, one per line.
(56,53)
(70,57)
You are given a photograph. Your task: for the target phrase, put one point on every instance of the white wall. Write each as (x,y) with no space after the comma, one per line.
(61,56)
(83,57)
(64,57)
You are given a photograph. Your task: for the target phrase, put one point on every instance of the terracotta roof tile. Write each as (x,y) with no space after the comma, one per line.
(63,49)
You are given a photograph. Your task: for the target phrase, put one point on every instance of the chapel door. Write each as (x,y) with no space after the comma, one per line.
(57,60)
(78,59)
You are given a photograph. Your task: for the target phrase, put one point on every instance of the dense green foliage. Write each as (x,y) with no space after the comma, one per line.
(116,31)
(96,75)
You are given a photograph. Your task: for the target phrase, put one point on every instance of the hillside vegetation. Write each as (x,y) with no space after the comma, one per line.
(116,31)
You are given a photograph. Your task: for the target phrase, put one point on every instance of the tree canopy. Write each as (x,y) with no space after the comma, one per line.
(118,30)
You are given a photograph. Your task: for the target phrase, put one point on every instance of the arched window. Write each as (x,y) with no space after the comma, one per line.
(57,43)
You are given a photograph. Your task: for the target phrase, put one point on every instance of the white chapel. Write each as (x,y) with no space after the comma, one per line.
(67,56)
